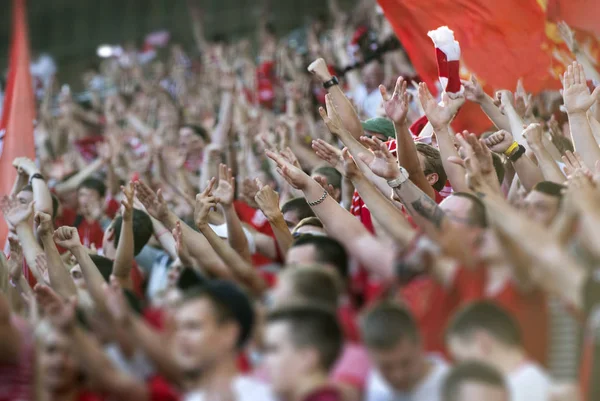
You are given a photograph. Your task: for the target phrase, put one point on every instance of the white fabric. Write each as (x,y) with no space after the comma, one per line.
(138,366)
(429,389)
(529,383)
(221,231)
(244,388)
(443,39)
(368,103)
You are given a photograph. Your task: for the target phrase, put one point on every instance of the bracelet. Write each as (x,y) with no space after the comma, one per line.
(516,155)
(332,82)
(508,152)
(36,176)
(318,201)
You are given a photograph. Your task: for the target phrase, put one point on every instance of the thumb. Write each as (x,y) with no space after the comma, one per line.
(596,93)
(384,93)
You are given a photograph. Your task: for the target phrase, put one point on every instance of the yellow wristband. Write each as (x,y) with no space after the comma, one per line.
(511,149)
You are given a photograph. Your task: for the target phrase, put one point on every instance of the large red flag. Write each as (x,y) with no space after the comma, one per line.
(501,41)
(18,112)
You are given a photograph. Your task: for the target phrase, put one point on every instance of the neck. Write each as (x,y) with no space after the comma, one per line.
(308,384)
(508,360)
(216,376)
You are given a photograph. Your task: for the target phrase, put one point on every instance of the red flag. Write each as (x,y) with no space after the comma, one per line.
(501,41)
(18,112)
(579,14)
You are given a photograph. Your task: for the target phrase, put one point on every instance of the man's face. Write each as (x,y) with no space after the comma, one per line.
(198,340)
(291,219)
(474,391)
(466,348)
(458,211)
(372,75)
(86,196)
(401,366)
(25,197)
(189,141)
(59,370)
(301,255)
(285,364)
(77,277)
(542,208)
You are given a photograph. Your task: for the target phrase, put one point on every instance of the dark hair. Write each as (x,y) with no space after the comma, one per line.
(327,250)
(310,221)
(498,166)
(550,188)
(27,188)
(314,326)
(314,283)
(386,324)
(189,278)
(299,206)
(95,184)
(104,265)
(470,372)
(142,230)
(477,213)
(487,316)
(198,130)
(433,164)
(333,176)
(230,304)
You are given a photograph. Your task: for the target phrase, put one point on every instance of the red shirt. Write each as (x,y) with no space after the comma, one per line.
(160,390)
(328,393)
(87,396)
(347,316)
(528,308)
(16,380)
(90,233)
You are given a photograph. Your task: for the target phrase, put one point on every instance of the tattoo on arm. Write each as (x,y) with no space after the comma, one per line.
(428,209)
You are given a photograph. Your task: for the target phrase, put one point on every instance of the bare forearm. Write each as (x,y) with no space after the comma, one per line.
(516,125)
(282,233)
(41,196)
(409,159)
(220,134)
(31,250)
(124,254)
(547,165)
(583,138)
(72,183)
(456,173)
(494,114)
(93,278)
(529,174)
(235,233)
(164,237)
(60,280)
(346,111)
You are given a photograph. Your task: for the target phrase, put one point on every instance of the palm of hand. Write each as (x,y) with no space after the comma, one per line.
(438,115)
(383,168)
(18,214)
(577,98)
(201,213)
(224,192)
(396,109)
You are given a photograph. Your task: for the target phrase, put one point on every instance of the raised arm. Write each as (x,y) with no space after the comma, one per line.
(41,193)
(242,270)
(72,183)
(125,248)
(577,100)
(474,93)
(268,202)
(550,169)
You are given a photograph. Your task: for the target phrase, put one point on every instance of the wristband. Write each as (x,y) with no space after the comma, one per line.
(516,155)
(332,82)
(508,152)
(36,176)
(320,200)
(395,183)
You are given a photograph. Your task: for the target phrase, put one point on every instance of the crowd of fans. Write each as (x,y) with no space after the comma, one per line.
(303,225)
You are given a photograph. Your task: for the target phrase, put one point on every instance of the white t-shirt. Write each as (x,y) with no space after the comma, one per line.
(368,103)
(529,383)
(428,390)
(244,388)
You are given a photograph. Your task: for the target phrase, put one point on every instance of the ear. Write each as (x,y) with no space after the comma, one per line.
(432,178)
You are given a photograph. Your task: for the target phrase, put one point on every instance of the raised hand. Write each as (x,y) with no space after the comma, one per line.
(533,135)
(328,152)
(439,115)
(205,202)
(289,155)
(500,141)
(248,190)
(128,200)
(574,163)
(16,213)
(326,186)
(473,90)
(396,106)
(267,200)
(576,94)
(350,169)
(155,204)
(225,189)
(331,118)
(475,149)
(44,224)
(67,237)
(292,174)
(60,312)
(320,70)
(27,165)
(15,263)
(379,160)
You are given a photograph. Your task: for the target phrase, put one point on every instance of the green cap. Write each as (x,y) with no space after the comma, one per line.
(380,125)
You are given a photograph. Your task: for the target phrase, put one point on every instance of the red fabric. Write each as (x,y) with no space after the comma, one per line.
(88,396)
(453,77)
(155,318)
(579,14)
(112,207)
(137,280)
(243,363)
(529,309)
(16,379)
(325,394)
(491,37)
(18,111)
(347,316)
(67,218)
(87,147)
(585,370)
(265,84)
(90,232)
(418,125)
(160,390)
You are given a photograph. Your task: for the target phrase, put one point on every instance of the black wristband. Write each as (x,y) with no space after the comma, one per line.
(332,82)
(517,154)
(36,176)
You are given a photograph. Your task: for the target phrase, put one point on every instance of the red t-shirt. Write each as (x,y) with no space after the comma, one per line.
(328,393)
(87,396)
(160,390)
(347,315)
(90,232)
(528,308)
(16,380)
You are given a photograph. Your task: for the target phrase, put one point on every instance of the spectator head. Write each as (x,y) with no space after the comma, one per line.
(142,231)
(91,190)
(302,341)
(295,210)
(543,202)
(332,177)
(307,283)
(467,211)
(474,381)
(392,339)
(318,249)
(213,322)
(379,127)
(373,75)
(431,164)
(57,363)
(193,138)
(481,331)
(104,265)
(309,225)
(25,195)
